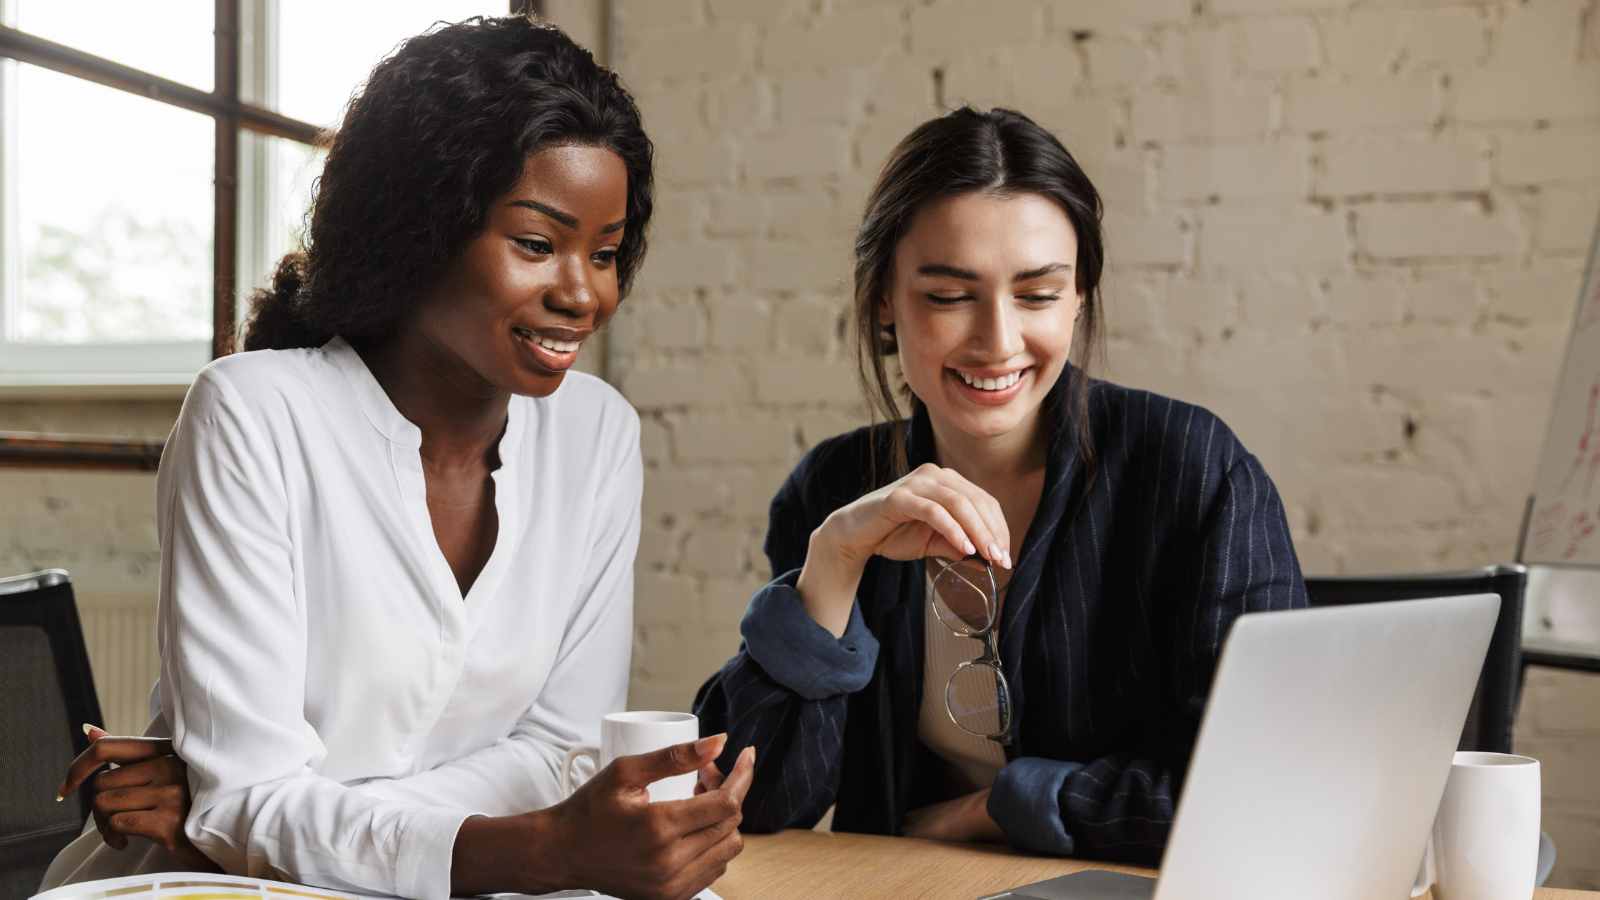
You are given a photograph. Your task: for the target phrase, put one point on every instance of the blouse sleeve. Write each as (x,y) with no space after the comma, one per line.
(1121,807)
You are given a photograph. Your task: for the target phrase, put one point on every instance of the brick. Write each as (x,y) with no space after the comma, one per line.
(1280,45)
(1536,33)
(1113,63)
(692,161)
(734,215)
(749,491)
(1453,299)
(1567,219)
(1120,16)
(1278,304)
(1047,71)
(809,325)
(1203,306)
(847,37)
(1452,230)
(685,383)
(733,439)
(1129,299)
(658,547)
(740,323)
(1525,297)
(1197,58)
(808,98)
(685,653)
(1323,104)
(1422,356)
(686,264)
(1229,172)
(1545,157)
(654,441)
(766,12)
(1523,92)
(727,598)
(805,381)
(676,497)
(808,215)
(1451,164)
(663,599)
(1362,301)
(1365,45)
(687,51)
(657,13)
(672,328)
(670,112)
(820,424)
(793,266)
(1145,241)
(1271,239)
(963,23)
(740,106)
(1087,128)
(982,82)
(715,550)
(1447,36)
(798,152)
(1228,111)
(1225,7)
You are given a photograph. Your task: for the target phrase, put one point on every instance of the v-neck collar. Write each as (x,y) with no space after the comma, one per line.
(1054,502)
(406,457)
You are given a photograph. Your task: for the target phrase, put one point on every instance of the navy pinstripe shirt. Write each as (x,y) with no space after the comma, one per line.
(1109,637)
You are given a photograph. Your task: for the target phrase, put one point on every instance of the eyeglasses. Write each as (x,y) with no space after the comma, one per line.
(966,600)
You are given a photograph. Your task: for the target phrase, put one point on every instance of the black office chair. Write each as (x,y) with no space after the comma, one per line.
(46,696)
(1493,714)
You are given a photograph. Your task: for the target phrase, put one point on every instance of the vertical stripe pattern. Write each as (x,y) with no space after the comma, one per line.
(1110,633)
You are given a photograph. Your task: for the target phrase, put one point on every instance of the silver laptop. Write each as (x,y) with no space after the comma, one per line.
(1321,758)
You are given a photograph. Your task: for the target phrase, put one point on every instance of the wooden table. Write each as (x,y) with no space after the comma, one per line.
(816,865)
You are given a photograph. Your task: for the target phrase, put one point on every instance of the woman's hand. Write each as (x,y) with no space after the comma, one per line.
(930,512)
(609,837)
(146,795)
(962,819)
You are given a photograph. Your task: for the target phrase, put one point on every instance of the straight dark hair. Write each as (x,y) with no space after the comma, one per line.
(1001,152)
(442,130)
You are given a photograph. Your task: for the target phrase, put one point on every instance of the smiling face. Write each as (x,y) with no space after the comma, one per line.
(516,305)
(983,300)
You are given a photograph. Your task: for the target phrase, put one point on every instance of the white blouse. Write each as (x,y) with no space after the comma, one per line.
(341,706)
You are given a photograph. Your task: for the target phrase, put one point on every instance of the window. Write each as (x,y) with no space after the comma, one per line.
(114,124)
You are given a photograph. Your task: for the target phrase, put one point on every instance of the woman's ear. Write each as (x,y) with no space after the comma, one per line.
(885,312)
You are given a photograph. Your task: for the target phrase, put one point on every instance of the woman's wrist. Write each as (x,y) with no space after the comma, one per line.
(507,854)
(828,581)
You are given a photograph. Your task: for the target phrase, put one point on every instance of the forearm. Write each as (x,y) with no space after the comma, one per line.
(828,581)
(506,854)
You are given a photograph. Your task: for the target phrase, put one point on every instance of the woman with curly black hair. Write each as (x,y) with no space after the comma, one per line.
(398,534)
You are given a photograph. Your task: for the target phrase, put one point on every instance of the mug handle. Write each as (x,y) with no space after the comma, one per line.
(1426,874)
(574,753)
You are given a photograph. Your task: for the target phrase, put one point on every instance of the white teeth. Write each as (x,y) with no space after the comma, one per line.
(991,384)
(558,346)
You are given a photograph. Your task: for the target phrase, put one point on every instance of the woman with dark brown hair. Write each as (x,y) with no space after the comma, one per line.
(998,619)
(398,532)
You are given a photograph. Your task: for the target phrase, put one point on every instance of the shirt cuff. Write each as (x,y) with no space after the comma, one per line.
(798,653)
(1025,802)
(427,841)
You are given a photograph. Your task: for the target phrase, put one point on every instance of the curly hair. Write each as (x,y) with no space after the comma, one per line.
(440,132)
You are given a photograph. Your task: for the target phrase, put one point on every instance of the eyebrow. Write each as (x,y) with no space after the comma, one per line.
(969,275)
(565,218)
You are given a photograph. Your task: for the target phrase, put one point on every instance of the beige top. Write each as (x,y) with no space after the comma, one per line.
(974,761)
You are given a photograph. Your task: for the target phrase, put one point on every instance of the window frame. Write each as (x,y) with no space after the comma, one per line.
(240,217)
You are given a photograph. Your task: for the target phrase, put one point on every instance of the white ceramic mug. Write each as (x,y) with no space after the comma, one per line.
(1485,840)
(632,733)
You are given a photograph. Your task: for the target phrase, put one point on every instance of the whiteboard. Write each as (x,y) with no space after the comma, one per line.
(1564,521)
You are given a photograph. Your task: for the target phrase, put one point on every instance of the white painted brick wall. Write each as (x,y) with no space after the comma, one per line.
(1353,228)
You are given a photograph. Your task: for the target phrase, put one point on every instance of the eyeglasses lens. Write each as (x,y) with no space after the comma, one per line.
(975,702)
(963,597)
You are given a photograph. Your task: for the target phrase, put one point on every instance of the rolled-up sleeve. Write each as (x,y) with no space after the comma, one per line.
(800,654)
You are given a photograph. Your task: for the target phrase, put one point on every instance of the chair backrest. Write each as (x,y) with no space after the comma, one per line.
(1493,715)
(46,696)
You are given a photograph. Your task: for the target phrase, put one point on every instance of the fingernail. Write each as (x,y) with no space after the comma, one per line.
(709,744)
(1008,559)
(86,728)
(967,546)
(59,798)
(993,552)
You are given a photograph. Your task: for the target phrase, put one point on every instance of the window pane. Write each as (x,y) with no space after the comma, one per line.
(114,215)
(171,38)
(277,176)
(347,38)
